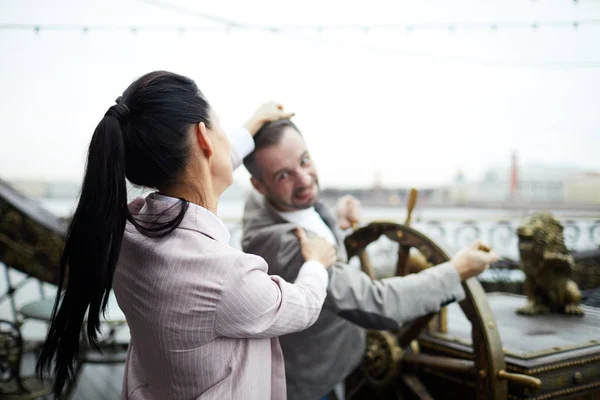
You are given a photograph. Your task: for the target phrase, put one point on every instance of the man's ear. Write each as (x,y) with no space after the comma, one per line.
(201,136)
(258,185)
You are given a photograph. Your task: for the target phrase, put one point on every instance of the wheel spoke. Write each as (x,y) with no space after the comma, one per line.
(356,389)
(365,263)
(440,363)
(414,384)
(402,262)
(410,332)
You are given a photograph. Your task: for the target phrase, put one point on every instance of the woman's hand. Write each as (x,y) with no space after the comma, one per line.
(316,248)
(268,112)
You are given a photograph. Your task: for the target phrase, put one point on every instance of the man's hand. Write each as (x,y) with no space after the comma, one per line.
(473,260)
(348,212)
(268,112)
(316,248)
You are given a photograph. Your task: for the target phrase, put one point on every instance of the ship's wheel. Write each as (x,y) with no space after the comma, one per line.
(392,359)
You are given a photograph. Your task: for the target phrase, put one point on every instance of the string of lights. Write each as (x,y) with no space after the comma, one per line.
(431,26)
(85,29)
(321,29)
(225,25)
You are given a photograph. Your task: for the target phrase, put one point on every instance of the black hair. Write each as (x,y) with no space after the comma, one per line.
(143,138)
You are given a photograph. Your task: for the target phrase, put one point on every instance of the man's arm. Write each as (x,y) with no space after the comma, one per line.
(392,302)
(384,304)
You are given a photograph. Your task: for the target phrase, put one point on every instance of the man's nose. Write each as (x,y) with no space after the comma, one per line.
(304,178)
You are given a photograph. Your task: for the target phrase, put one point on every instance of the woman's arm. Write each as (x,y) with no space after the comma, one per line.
(255,305)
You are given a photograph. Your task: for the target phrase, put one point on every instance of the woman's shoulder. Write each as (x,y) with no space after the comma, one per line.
(193,249)
(218,252)
(236,261)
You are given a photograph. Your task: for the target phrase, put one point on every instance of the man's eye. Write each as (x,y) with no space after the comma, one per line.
(305,161)
(282,176)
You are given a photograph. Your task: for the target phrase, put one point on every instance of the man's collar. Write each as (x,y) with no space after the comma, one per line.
(285,214)
(323,211)
(270,215)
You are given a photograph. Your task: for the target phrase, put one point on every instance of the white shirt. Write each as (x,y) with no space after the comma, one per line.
(310,220)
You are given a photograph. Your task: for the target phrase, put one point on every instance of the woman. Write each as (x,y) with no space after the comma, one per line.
(203,316)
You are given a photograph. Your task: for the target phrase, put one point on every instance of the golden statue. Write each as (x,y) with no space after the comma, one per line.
(547,265)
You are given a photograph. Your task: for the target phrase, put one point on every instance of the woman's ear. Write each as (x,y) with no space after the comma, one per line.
(201,136)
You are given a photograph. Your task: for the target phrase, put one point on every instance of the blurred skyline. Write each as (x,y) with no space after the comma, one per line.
(412,107)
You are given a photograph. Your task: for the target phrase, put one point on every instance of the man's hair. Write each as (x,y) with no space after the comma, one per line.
(268,135)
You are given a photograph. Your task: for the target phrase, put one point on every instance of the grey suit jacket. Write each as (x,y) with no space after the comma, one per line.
(324,354)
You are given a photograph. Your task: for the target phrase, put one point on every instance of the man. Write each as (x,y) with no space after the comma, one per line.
(286,197)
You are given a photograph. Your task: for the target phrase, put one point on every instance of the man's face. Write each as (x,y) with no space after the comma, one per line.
(288,176)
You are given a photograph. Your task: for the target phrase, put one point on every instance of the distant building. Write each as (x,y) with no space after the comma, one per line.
(529,184)
(585,190)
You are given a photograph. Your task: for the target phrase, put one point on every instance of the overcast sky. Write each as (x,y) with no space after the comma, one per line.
(415,106)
